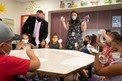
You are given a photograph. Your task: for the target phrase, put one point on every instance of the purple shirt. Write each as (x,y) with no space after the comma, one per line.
(119,77)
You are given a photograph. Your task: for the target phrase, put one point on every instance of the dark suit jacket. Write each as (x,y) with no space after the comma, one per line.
(29,26)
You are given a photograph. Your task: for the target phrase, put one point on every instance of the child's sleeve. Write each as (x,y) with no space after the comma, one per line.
(17,66)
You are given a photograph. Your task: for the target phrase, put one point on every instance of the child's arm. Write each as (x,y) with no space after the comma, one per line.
(46,46)
(108,39)
(99,42)
(83,26)
(20,45)
(34,61)
(65,25)
(109,71)
(60,46)
(32,46)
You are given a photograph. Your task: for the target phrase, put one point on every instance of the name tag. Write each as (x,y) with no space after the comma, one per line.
(76,44)
(73,33)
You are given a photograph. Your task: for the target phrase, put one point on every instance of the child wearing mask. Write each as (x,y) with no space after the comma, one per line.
(107,49)
(11,66)
(55,43)
(25,44)
(89,44)
(113,71)
(86,42)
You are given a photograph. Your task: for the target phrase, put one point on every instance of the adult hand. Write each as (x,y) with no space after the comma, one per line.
(86,19)
(62,19)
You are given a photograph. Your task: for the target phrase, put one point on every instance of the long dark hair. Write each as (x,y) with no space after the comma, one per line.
(93,40)
(117,39)
(77,20)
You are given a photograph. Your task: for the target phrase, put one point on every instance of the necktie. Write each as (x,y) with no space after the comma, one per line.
(37,34)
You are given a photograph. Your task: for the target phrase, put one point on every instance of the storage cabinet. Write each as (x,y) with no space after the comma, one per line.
(104,20)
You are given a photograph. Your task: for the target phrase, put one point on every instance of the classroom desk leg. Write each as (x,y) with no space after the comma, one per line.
(61,78)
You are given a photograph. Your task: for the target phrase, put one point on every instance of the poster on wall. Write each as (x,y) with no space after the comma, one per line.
(118,0)
(68,4)
(2,8)
(84,2)
(80,3)
(9,22)
(94,2)
(108,1)
(116,21)
(62,4)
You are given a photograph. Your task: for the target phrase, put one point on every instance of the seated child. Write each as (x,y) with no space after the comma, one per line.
(54,43)
(113,71)
(87,40)
(89,44)
(11,66)
(24,43)
(43,45)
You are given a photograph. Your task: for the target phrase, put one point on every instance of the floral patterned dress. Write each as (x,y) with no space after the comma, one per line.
(74,38)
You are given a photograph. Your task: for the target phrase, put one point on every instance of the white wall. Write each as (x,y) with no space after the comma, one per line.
(12,12)
(45,5)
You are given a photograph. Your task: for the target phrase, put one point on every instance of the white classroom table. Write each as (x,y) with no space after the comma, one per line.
(58,61)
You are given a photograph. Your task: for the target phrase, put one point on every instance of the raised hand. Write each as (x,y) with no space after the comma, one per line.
(86,19)
(62,19)
(102,32)
(60,40)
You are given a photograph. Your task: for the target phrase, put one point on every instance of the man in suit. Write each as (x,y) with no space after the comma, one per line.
(37,28)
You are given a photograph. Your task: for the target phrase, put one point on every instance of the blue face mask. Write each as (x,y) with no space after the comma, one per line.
(74,18)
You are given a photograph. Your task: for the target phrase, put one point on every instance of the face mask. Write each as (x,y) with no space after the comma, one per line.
(39,19)
(25,41)
(74,17)
(116,55)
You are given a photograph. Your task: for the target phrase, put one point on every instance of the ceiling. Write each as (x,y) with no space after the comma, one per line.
(25,0)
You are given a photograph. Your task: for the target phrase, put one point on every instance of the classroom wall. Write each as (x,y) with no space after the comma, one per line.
(11,12)
(45,5)
(14,9)
(50,5)
(54,5)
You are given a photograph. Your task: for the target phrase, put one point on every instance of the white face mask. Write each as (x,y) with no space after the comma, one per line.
(25,41)
(74,17)
(116,55)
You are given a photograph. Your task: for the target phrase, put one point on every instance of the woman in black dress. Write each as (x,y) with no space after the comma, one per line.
(75,29)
